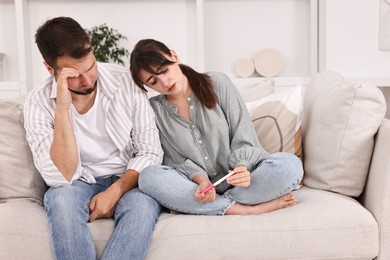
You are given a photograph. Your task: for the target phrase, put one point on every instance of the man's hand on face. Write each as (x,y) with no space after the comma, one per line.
(64,98)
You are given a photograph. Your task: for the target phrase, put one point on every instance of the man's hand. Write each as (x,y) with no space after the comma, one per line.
(242,177)
(64,98)
(103,204)
(63,151)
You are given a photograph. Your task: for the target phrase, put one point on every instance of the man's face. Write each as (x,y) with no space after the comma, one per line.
(85,83)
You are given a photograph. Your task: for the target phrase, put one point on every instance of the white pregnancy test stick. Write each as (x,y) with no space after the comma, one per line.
(217,182)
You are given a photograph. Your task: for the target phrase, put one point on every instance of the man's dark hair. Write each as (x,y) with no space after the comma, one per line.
(62,36)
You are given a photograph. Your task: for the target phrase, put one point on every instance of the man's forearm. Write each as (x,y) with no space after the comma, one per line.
(128,181)
(63,151)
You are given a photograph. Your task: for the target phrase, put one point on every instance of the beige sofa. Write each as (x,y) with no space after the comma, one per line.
(327,223)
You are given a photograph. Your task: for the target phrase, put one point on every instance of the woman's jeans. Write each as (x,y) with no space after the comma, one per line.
(275,176)
(68,212)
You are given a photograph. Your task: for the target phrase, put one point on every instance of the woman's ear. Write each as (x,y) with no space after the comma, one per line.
(49,68)
(175,56)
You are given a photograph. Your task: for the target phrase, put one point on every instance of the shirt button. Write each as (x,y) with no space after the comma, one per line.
(206,158)
(200,141)
(189,99)
(191,107)
(193,126)
(214,173)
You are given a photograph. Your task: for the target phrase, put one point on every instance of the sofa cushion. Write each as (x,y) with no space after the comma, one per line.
(24,231)
(340,119)
(323,225)
(277,121)
(18,175)
(261,89)
(335,221)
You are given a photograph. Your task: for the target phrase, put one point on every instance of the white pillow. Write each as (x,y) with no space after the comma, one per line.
(340,119)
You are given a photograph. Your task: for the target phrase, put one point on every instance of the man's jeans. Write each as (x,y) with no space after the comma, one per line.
(68,212)
(276,175)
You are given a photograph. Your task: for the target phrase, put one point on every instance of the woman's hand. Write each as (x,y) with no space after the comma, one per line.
(242,177)
(208,196)
(203,182)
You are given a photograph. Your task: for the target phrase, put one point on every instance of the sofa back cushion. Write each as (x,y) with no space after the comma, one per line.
(340,119)
(19,178)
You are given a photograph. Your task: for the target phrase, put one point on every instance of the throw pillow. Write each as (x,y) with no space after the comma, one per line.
(18,175)
(258,90)
(277,121)
(340,120)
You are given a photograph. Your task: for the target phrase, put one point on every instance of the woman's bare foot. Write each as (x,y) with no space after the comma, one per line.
(284,201)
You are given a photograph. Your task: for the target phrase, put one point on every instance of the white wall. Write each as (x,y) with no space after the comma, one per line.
(130,18)
(350,42)
(8,40)
(233,29)
(239,29)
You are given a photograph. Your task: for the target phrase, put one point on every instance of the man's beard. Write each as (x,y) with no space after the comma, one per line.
(87,92)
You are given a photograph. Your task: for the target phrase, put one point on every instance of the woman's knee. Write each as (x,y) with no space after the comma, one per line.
(152,176)
(287,164)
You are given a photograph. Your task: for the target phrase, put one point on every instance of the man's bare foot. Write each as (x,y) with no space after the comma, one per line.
(284,201)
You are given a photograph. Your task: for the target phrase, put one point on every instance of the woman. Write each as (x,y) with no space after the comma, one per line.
(206,131)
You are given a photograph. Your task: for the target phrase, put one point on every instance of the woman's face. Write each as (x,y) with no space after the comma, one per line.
(169,80)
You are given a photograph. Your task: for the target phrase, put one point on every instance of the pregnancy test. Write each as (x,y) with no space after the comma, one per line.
(217,182)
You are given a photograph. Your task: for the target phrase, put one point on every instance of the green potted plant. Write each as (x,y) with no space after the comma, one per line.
(105,44)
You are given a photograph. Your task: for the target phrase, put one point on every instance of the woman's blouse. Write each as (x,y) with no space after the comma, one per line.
(214,140)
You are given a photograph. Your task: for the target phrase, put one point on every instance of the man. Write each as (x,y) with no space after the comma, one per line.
(91,132)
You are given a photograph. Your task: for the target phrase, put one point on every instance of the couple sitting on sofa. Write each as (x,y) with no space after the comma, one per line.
(92,134)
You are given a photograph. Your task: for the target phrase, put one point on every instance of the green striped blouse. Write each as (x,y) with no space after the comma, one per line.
(214,140)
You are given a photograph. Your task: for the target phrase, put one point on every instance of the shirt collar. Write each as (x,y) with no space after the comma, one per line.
(163,100)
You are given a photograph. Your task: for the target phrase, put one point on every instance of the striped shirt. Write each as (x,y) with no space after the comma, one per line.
(214,140)
(130,124)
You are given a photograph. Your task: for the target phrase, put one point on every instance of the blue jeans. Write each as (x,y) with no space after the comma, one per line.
(68,212)
(275,176)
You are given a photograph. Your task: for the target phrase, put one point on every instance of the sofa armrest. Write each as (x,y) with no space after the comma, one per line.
(376,196)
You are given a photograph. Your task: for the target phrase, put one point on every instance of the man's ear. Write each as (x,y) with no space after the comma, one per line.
(49,68)
(175,56)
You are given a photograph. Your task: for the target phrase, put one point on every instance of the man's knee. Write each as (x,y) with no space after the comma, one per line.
(64,200)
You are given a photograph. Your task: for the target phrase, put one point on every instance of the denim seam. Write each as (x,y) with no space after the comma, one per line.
(228,206)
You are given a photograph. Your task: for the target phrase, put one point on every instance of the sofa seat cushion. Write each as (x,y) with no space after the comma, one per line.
(24,231)
(323,225)
(320,221)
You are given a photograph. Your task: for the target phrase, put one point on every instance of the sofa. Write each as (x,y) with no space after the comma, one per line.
(343,209)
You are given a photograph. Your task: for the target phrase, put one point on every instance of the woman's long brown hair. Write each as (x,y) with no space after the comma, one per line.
(148,54)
